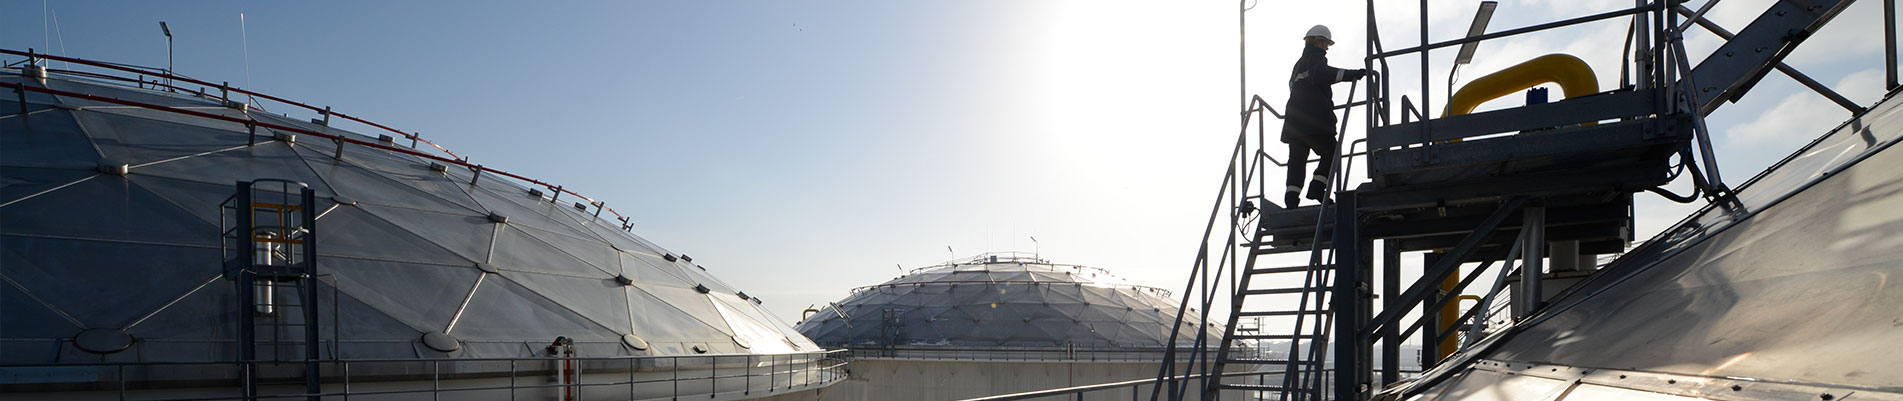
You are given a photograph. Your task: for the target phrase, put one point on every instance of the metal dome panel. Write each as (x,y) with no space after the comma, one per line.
(398,260)
(1014,301)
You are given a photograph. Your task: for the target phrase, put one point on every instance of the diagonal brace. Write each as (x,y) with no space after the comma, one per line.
(1444,267)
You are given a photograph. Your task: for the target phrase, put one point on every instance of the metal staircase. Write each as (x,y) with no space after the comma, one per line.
(1255,224)
(270,253)
(1519,183)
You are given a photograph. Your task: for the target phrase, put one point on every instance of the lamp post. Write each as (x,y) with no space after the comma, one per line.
(168,53)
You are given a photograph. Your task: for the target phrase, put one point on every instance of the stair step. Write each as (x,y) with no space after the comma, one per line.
(1271,249)
(1270,336)
(1257,361)
(1271,291)
(1283,313)
(1249,387)
(1289,269)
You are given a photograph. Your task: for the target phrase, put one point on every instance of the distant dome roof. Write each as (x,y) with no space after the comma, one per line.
(1003,300)
(406,248)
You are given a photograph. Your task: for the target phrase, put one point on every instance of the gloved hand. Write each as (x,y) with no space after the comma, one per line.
(1352,75)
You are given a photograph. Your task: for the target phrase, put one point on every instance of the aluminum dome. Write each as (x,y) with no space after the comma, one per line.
(410,247)
(1011,300)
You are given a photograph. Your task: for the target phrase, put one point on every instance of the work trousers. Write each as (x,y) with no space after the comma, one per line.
(1298,150)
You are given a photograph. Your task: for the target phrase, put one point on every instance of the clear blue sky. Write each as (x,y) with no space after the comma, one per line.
(798,149)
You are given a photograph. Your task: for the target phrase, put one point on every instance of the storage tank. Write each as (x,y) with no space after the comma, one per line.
(1000,323)
(427,276)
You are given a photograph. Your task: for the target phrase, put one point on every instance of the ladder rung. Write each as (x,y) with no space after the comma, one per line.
(1290,269)
(1270,336)
(278,206)
(1249,387)
(1271,291)
(1283,313)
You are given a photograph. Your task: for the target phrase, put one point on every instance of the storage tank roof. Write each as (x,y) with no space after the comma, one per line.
(1003,300)
(407,248)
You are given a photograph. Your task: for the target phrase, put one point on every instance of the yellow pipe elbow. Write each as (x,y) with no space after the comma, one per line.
(1573,76)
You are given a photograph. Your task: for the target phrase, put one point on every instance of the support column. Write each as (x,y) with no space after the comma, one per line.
(1430,318)
(1534,252)
(1390,300)
(313,375)
(1349,302)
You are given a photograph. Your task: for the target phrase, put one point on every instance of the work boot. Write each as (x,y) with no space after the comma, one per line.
(1316,194)
(1291,200)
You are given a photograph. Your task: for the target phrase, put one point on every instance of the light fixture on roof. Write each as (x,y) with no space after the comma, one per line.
(1479,27)
(168,52)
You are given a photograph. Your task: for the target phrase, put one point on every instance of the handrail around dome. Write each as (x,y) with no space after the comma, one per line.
(227,87)
(762,373)
(1132,384)
(1162,292)
(341,138)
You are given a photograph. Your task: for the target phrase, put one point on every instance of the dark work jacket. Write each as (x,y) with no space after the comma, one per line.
(1311,100)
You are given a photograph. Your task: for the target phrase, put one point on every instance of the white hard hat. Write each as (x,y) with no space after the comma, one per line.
(1320,31)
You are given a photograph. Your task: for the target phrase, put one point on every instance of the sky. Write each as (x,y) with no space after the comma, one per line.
(799,149)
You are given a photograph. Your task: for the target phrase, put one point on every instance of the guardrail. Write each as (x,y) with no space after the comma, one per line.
(1076,354)
(226,90)
(1134,385)
(643,376)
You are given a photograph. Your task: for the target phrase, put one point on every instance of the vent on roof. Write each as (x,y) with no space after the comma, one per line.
(113,166)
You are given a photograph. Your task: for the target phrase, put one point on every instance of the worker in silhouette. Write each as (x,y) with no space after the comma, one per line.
(1310,124)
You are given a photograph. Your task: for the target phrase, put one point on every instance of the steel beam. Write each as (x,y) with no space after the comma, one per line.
(1605,106)
(1349,302)
(1534,232)
(1390,294)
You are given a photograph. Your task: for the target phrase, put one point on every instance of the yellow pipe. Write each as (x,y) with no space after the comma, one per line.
(1573,76)
(1448,313)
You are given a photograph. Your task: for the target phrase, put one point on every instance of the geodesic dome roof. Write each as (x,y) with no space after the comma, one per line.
(1003,300)
(407,248)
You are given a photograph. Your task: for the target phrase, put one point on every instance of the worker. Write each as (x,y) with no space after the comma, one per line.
(1311,115)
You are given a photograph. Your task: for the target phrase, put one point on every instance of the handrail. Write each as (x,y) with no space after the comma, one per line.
(1106,386)
(1517,31)
(227,87)
(341,138)
(1159,291)
(785,371)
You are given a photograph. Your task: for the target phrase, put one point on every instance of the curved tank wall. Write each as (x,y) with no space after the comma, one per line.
(483,267)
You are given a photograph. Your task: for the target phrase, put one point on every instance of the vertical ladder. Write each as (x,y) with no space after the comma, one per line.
(270,245)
